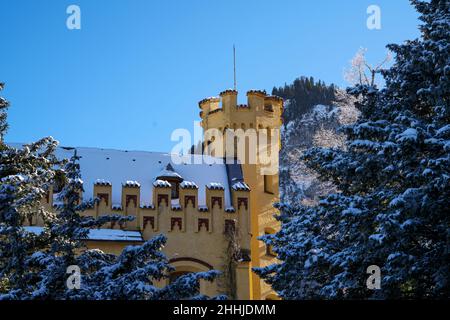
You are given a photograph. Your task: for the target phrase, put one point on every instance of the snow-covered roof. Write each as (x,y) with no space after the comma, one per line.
(115,235)
(169,172)
(118,166)
(102,234)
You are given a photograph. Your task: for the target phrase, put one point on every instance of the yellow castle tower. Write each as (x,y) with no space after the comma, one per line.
(261,112)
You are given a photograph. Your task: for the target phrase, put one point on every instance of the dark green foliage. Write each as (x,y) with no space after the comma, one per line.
(392,208)
(304,93)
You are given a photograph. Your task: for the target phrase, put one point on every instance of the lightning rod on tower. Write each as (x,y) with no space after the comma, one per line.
(234,66)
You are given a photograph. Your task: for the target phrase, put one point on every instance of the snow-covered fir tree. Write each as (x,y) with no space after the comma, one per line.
(392,208)
(132,274)
(63,234)
(25,177)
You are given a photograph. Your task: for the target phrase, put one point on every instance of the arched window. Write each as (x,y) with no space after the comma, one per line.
(186,265)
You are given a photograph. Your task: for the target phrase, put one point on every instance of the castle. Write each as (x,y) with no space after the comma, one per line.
(205,210)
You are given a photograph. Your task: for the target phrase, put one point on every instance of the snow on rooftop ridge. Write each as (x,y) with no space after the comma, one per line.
(131,184)
(258,91)
(228,90)
(215,186)
(68,152)
(169,172)
(102,182)
(115,235)
(208,99)
(147,206)
(100,234)
(240,186)
(188,185)
(162,184)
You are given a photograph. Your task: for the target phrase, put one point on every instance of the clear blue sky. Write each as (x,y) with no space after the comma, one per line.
(137,68)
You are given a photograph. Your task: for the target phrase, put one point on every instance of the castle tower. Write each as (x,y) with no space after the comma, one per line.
(261,114)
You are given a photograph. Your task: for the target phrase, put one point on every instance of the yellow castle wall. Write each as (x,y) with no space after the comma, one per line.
(191,248)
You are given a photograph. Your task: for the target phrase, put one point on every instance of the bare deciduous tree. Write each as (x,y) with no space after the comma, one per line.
(361,72)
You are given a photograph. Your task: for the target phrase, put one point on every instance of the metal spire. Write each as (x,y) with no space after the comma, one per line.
(234,66)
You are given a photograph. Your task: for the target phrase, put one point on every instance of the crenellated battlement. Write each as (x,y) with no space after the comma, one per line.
(209,104)
(184,214)
(227,100)
(261,110)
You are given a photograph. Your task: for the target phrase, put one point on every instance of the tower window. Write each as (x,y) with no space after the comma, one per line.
(171,176)
(268,184)
(103,196)
(268,108)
